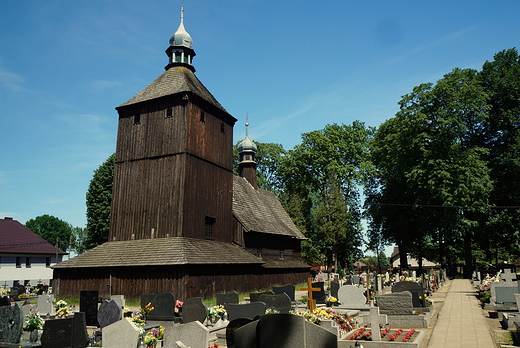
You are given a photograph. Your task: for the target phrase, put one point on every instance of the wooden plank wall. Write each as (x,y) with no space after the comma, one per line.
(184,282)
(147,194)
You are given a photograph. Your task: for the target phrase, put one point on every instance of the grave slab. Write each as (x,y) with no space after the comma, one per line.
(122,333)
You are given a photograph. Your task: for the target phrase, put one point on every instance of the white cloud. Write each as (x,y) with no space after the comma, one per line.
(11,81)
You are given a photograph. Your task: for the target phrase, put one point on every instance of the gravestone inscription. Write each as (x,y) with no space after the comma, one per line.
(11,322)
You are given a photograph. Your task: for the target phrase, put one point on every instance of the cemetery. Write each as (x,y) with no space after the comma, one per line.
(284,316)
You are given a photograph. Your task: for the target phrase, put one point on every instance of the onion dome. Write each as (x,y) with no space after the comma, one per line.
(180,51)
(247,145)
(181,36)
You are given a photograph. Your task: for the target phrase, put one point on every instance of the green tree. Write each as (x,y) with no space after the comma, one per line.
(432,178)
(324,173)
(99,199)
(79,239)
(52,229)
(501,80)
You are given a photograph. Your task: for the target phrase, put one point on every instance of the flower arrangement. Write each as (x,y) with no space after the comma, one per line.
(427,301)
(216,312)
(357,334)
(408,335)
(139,323)
(332,301)
(385,331)
(151,337)
(178,306)
(4,292)
(62,309)
(143,312)
(271,310)
(395,335)
(33,322)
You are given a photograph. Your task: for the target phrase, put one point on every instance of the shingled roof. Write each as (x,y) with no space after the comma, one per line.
(172,81)
(15,238)
(163,251)
(261,211)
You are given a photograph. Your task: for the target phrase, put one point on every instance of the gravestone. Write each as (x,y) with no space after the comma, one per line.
(506,295)
(122,333)
(46,305)
(415,289)
(334,288)
(68,332)
(374,320)
(288,289)
(120,299)
(29,309)
(508,276)
(319,295)
(11,323)
(397,303)
(232,327)
(348,280)
(5,301)
(227,297)
(109,312)
(356,280)
(194,309)
(283,331)
(192,334)
(352,296)
(248,310)
(280,302)
(88,304)
(14,293)
(164,306)
(254,296)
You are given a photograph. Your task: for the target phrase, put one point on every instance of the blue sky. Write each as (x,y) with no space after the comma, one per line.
(293,66)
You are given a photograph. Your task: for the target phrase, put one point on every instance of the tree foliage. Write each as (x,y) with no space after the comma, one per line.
(52,229)
(99,199)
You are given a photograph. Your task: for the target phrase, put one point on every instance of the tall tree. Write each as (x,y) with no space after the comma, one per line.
(433,175)
(52,229)
(501,80)
(325,172)
(99,199)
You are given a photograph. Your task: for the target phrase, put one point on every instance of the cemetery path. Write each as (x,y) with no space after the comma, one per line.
(461,321)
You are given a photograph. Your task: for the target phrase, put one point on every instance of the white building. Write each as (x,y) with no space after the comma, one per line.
(25,257)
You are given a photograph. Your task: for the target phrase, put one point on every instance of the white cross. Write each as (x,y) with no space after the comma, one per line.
(375,319)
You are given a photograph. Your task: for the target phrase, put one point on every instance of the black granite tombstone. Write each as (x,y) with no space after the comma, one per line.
(319,295)
(232,327)
(109,312)
(288,289)
(163,303)
(248,310)
(280,303)
(194,309)
(11,322)
(5,301)
(334,288)
(68,332)
(415,289)
(227,297)
(88,304)
(254,296)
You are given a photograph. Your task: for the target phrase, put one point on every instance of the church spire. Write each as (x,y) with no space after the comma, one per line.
(180,52)
(247,165)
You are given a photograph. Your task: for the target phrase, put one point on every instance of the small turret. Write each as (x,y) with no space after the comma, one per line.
(247,165)
(180,52)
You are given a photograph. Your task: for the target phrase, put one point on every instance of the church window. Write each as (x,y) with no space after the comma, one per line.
(137,118)
(222,128)
(18,262)
(259,252)
(48,262)
(202,116)
(209,222)
(281,254)
(169,112)
(27,262)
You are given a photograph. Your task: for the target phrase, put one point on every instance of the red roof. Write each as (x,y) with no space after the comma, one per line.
(16,238)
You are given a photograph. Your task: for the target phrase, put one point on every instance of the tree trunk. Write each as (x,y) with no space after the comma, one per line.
(403,257)
(468,257)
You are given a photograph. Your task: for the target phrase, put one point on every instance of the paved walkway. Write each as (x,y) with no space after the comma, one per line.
(461,321)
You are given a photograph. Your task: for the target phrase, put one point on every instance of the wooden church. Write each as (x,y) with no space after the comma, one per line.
(181,221)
